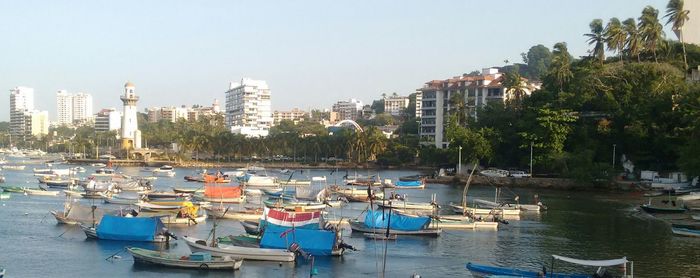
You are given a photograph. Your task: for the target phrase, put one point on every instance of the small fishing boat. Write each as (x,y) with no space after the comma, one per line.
(4,195)
(246,253)
(354,194)
(179,190)
(148,229)
(357,226)
(380,236)
(654,209)
(479,211)
(201,261)
(480,270)
(14,167)
(39,192)
(251,227)
(98,165)
(13,189)
(241,215)
(391,222)
(60,183)
(178,220)
(685,230)
(398,204)
(164,171)
(73,193)
(458,222)
(165,195)
(295,205)
(412,184)
(692,196)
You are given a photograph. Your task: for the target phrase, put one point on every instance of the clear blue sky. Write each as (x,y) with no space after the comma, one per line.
(311,53)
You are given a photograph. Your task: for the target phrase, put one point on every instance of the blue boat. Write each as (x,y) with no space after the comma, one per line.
(380,219)
(148,229)
(312,241)
(485,270)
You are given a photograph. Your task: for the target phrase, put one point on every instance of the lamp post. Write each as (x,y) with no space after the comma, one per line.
(459,163)
(613,157)
(530,158)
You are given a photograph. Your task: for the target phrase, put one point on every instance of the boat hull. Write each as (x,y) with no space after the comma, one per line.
(237,215)
(650,209)
(158,258)
(246,253)
(486,271)
(361,228)
(685,232)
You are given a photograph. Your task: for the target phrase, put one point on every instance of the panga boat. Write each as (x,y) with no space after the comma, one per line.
(652,209)
(380,236)
(4,195)
(685,231)
(242,214)
(13,189)
(39,192)
(197,260)
(148,229)
(480,270)
(247,253)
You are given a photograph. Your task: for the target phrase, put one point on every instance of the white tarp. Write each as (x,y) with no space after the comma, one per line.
(591,262)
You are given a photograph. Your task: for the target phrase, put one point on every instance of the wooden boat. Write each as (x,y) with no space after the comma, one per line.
(490,271)
(295,205)
(251,227)
(165,195)
(38,192)
(147,229)
(13,189)
(74,214)
(60,183)
(174,220)
(119,200)
(74,194)
(683,230)
(202,261)
(236,200)
(653,209)
(184,190)
(478,211)
(458,222)
(358,226)
(240,252)
(397,204)
(493,205)
(243,214)
(494,271)
(158,207)
(4,195)
(354,194)
(380,236)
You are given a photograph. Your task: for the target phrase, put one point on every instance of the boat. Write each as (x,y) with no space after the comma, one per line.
(164,171)
(13,167)
(506,206)
(240,214)
(201,261)
(494,173)
(695,217)
(13,189)
(119,199)
(75,213)
(480,270)
(78,169)
(240,252)
(39,192)
(60,183)
(692,196)
(222,194)
(165,195)
(404,205)
(179,190)
(653,194)
(98,165)
(654,209)
(685,230)
(2,272)
(380,236)
(380,222)
(414,184)
(147,229)
(251,227)
(4,195)
(177,219)
(479,211)
(260,181)
(359,227)
(459,222)
(295,205)
(354,194)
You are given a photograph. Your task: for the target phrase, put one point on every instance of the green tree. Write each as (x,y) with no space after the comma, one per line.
(514,85)
(615,36)
(458,107)
(633,44)
(560,69)
(677,16)
(651,31)
(537,59)
(597,39)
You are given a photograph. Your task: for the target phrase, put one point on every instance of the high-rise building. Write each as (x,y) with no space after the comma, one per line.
(107,120)
(64,107)
(39,123)
(82,107)
(348,110)
(477,90)
(691,28)
(249,108)
(21,104)
(395,104)
(130,135)
(419,104)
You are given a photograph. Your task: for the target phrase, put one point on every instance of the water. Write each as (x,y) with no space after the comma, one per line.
(581,225)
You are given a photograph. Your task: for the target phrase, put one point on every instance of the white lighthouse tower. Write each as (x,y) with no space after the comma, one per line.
(131,136)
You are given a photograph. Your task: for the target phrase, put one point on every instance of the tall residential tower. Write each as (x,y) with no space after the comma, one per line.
(249,108)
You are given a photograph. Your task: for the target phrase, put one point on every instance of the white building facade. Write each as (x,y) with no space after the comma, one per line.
(295,115)
(107,120)
(395,104)
(348,110)
(249,108)
(64,107)
(82,108)
(21,105)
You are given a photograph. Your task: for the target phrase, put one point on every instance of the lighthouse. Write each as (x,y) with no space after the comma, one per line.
(131,135)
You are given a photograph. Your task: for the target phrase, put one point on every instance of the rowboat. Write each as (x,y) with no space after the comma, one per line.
(685,230)
(244,214)
(652,209)
(480,270)
(4,195)
(251,227)
(40,192)
(360,227)
(184,190)
(13,189)
(240,252)
(202,261)
(380,236)
(14,167)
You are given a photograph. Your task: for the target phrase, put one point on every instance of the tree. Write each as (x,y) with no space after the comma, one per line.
(651,31)
(513,83)
(677,16)
(597,39)
(560,68)
(633,43)
(615,36)
(458,107)
(537,59)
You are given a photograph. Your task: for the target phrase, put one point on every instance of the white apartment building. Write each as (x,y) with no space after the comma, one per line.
(21,103)
(348,110)
(395,104)
(107,120)
(82,107)
(691,28)
(249,108)
(39,123)
(295,115)
(419,104)
(64,107)
(173,114)
(477,90)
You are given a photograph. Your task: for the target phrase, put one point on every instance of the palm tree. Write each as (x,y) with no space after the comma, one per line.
(633,43)
(651,31)
(560,67)
(458,106)
(513,83)
(677,16)
(615,36)
(597,39)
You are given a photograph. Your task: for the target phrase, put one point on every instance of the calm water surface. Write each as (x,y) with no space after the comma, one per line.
(581,225)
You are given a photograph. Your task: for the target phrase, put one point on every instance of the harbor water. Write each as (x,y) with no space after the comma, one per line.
(578,224)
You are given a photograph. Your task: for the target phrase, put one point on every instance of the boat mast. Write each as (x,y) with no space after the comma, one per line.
(466,187)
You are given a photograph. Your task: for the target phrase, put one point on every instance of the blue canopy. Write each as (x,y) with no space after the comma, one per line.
(379,220)
(495,270)
(315,242)
(128,228)
(408,183)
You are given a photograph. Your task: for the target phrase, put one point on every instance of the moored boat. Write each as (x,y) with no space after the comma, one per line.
(683,230)
(13,189)
(147,229)
(39,192)
(4,195)
(237,214)
(13,167)
(480,270)
(246,253)
(654,209)
(202,261)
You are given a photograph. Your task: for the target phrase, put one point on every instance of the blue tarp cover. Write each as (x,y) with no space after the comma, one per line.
(495,270)
(129,228)
(408,183)
(315,242)
(379,220)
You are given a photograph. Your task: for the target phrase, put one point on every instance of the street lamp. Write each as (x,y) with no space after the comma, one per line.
(613,157)
(530,158)
(459,163)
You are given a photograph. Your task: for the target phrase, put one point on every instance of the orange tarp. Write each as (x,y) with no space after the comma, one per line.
(222,191)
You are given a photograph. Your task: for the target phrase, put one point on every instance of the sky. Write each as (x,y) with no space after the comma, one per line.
(311,53)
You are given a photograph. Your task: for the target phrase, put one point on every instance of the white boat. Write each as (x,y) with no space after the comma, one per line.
(14,167)
(696,217)
(458,222)
(404,205)
(98,165)
(239,252)
(236,200)
(237,214)
(174,220)
(684,231)
(262,181)
(170,260)
(164,171)
(518,174)
(38,192)
(692,196)
(494,173)
(493,205)
(104,172)
(478,211)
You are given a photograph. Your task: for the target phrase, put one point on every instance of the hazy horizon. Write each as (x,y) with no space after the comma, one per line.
(311,53)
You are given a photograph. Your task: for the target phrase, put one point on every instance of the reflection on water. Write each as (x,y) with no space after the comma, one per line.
(581,225)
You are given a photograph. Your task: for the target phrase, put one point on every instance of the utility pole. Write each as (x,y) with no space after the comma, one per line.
(530,158)
(459,164)
(613,157)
